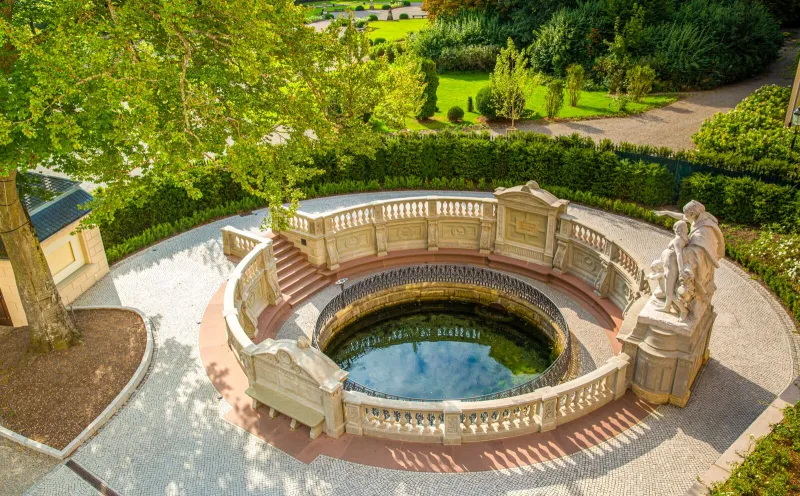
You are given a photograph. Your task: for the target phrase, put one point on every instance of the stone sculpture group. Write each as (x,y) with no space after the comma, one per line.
(685,270)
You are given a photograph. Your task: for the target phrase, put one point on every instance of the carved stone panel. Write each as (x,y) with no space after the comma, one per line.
(459,234)
(528,228)
(407,235)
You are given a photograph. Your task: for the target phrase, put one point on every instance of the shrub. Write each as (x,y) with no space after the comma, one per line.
(386,6)
(378,41)
(359,8)
(753,129)
(361,23)
(712,43)
(467,58)
(485,103)
(620,101)
(554,98)
(428,68)
(575,75)
(406,3)
(470,105)
(328,16)
(640,82)
(403,16)
(466,28)
(455,114)
(389,49)
(372,17)
(566,39)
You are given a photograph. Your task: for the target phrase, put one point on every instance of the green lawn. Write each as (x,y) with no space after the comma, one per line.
(455,88)
(395,30)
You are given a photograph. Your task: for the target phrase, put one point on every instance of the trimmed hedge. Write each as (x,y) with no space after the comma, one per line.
(518,158)
(744,200)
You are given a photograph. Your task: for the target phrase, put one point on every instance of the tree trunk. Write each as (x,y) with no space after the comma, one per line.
(50,324)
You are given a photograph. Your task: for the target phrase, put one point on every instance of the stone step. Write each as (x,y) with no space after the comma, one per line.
(301,271)
(291,263)
(301,283)
(309,290)
(282,248)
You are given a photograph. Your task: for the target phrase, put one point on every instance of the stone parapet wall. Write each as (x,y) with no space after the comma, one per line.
(457,422)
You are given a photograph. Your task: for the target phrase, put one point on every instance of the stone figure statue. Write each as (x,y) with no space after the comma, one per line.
(685,270)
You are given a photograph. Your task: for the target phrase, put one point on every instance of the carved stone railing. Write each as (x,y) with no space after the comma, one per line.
(600,262)
(291,368)
(524,222)
(254,282)
(377,228)
(456,422)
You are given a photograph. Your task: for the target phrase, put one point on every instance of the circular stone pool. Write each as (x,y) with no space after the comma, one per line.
(442,350)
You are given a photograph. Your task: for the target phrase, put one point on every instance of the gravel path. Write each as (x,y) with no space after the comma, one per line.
(671,126)
(171,438)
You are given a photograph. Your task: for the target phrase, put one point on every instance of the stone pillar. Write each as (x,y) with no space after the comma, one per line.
(355,415)
(334,407)
(619,383)
(315,243)
(452,423)
(380,231)
(273,293)
(330,246)
(548,410)
(487,226)
(666,353)
(433,226)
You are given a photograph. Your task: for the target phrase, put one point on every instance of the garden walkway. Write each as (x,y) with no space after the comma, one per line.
(672,126)
(171,437)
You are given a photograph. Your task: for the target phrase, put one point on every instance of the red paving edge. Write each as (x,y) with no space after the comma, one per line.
(230,380)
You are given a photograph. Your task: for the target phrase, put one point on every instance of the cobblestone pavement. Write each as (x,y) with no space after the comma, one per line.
(170,437)
(21,467)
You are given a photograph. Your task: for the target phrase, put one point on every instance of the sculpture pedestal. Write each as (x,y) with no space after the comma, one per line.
(666,353)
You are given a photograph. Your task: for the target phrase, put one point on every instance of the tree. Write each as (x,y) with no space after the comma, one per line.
(431,81)
(509,83)
(135,93)
(405,97)
(554,98)
(575,75)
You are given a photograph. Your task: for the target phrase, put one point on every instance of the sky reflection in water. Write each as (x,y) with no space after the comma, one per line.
(441,350)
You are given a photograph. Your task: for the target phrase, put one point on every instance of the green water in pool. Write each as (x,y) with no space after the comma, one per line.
(441,350)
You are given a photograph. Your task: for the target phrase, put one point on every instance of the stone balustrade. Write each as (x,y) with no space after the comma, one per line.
(456,422)
(523,223)
(377,228)
(254,283)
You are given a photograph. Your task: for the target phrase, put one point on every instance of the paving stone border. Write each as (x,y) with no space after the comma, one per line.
(112,407)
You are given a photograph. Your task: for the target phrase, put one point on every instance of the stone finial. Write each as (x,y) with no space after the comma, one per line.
(303,343)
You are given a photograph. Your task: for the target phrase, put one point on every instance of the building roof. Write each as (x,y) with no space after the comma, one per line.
(56,208)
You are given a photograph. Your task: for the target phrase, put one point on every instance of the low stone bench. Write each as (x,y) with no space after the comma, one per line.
(419,16)
(279,403)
